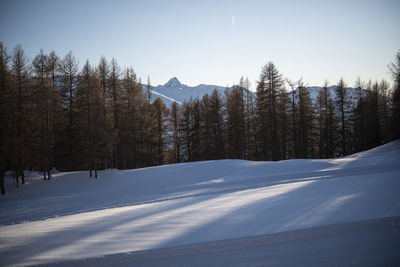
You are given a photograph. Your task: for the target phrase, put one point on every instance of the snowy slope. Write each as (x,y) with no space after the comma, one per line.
(74,217)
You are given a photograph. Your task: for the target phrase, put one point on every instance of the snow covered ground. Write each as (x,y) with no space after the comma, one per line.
(214,212)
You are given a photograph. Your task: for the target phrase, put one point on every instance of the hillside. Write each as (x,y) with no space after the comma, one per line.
(235,209)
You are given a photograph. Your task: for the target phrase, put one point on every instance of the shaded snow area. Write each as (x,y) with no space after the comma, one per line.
(227,212)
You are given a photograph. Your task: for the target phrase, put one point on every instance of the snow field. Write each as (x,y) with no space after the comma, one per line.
(74,217)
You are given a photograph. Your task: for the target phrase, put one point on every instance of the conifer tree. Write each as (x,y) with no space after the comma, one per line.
(55,109)
(205,127)
(292,110)
(371,127)
(359,116)
(148,89)
(268,89)
(175,118)
(342,105)
(235,133)
(115,92)
(185,128)
(143,121)
(395,114)
(160,113)
(216,116)
(69,70)
(5,121)
(131,118)
(89,101)
(325,122)
(195,130)
(305,121)
(383,103)
(283,121)
(248,117)
(41,68)
(20,76)
(373,115)
(242,89)
(104,138)
(148,133)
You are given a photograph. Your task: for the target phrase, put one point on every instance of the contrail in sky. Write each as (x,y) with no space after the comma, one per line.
(233,23)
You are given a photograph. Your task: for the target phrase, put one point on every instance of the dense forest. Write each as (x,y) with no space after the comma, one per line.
(54,115)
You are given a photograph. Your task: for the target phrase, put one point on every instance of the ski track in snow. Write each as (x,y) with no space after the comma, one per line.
(74,217)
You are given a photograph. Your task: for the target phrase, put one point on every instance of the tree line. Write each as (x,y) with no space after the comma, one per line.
(55,115)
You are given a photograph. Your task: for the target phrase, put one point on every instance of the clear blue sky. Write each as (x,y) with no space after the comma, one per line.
(214,42)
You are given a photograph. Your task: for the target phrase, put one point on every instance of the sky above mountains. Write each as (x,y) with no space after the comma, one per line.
(214,42)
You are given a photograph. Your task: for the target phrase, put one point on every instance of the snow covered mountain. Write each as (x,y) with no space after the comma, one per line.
(343,211)
(175,91)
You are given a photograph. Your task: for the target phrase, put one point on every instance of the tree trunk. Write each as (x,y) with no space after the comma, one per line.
(294,124)
(16,177)
(21,136)
(343,129)
(95,168)
(2,187)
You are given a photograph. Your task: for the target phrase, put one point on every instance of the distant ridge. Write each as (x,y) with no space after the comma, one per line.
(175,91)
